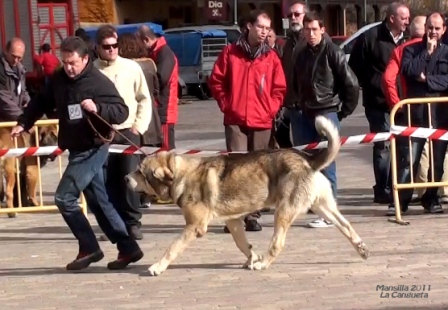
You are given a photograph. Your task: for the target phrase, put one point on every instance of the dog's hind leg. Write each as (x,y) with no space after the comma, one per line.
(197,218)
(326,207)
(285,214)
(236,228)
(32,178)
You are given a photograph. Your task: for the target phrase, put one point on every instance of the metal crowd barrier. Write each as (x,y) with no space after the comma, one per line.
(31,167)
(412,185)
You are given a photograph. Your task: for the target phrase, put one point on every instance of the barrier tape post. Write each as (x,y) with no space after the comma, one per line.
(425,133)
(14,158)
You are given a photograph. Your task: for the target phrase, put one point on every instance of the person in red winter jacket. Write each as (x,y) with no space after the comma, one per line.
(249,85)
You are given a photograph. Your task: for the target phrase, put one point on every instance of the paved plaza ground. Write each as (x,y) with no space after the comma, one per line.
(318,268)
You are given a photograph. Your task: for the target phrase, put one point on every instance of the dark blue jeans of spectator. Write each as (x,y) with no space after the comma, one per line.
(379,121)
(304,132)
(404,170)
(85,173)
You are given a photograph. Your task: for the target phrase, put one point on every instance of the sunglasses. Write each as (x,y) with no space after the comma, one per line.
(109,46)
(295,14)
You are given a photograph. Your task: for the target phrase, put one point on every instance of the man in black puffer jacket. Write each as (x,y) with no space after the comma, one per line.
(77,92)
(369,59)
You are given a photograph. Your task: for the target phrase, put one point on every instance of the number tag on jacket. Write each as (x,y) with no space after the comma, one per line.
(74,111)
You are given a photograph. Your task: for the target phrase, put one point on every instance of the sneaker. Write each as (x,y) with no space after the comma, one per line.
(253,225)
(443,200)
(320,223)
(391,210)
(145,205)
(434,208)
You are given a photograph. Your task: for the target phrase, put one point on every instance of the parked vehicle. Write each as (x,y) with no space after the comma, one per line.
(233,32)
(347,45)
(338,39)
(127,28)
(37,23)
(196,52)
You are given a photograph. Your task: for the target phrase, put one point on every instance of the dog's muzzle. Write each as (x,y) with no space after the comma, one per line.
(132,184)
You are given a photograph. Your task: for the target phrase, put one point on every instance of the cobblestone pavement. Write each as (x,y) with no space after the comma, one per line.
(318,268)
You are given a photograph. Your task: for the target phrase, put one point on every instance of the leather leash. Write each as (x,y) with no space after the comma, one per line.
(112,135)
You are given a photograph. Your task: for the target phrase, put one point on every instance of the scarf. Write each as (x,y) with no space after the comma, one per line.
(261,49)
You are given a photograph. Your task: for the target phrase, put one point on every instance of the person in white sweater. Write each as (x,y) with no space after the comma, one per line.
(130,82)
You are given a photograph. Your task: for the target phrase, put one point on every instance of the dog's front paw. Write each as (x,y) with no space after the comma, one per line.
(254,258)
(363,250)
(155,270)
(260,265)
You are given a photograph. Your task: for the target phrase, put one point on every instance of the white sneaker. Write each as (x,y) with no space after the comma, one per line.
(320,223)
(145,205)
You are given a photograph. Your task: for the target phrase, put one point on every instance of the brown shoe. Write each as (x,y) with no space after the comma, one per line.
(124,260)
(83,260)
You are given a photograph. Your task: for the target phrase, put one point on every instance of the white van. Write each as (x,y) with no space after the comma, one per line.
(347,45)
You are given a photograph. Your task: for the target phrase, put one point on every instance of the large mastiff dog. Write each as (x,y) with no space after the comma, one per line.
(48,136)
(229,187)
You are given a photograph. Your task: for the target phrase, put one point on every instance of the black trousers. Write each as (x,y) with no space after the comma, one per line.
(125,200)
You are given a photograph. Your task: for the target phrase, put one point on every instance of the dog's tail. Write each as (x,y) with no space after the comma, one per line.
(324,158)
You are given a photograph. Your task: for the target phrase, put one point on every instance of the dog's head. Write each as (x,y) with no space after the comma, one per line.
(155,174)
(48,135)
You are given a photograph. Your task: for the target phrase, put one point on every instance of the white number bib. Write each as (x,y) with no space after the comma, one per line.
(74,111)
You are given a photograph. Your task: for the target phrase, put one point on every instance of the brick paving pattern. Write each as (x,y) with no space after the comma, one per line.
(318,268)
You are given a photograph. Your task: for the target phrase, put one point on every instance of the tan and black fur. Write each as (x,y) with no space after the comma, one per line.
(229,187)
(48,136)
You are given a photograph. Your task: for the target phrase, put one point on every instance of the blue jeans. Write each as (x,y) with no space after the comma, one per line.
(379,121)
(304,132)
(85,173)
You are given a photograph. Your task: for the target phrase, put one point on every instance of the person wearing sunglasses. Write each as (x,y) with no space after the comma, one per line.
(129,79)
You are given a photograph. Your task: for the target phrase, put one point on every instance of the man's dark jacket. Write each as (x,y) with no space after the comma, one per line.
(12,96)
(368,59)
(294,43)
(62,92)
(415,61)
(321,73)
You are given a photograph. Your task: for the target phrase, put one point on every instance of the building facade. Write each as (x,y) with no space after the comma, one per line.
(174,13)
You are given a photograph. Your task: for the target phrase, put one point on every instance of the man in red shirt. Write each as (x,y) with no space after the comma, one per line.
(393,84)
(249,85)
(47,60)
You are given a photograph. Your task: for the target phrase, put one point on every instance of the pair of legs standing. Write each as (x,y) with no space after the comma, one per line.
(379,121)
(86,172)
(430,199)
(126,201)
(243,139)
(304,132)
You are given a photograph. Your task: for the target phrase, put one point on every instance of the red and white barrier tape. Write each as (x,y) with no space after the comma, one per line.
(418,132)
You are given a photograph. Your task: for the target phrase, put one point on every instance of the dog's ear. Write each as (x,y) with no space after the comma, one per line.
(172,161)
(163,174)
